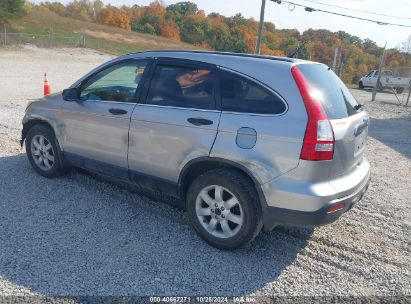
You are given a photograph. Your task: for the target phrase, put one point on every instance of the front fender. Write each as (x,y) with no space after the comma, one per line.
(44,111)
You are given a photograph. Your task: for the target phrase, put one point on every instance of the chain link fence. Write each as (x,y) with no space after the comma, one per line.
(43,41)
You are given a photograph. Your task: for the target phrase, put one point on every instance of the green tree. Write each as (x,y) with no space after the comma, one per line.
(183,8)
(218,35)
(194,28)
(10,9)
(80,9)
(149,29)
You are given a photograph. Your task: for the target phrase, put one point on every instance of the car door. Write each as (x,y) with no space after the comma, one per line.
(175,122)
(373,79)
(96,125)
(367,79)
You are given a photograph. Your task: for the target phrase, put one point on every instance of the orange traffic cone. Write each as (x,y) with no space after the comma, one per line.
(47,87)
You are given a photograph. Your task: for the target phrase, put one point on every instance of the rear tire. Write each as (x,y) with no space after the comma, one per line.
(43,152)
(399,90)
(361,86)
(224,209)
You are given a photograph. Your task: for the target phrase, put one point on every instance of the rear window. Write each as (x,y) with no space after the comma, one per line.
(334,96)
(239,94)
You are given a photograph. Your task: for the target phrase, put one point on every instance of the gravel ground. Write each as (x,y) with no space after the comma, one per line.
(78,235)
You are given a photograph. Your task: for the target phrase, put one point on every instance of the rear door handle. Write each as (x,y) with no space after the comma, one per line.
(198,121)
(117,111)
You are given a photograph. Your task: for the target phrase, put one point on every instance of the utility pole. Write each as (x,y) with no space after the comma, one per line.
(335,60)
(5,34)
(374,91)
(260,28)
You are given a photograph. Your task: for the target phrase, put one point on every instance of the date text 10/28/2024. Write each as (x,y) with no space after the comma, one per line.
(240,299)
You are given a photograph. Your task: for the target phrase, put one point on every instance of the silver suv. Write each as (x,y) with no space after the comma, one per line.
(246,141)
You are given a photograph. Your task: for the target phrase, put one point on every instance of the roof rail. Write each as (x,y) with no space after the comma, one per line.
(286,59)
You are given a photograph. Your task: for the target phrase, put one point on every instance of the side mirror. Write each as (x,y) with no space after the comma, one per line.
(70,94)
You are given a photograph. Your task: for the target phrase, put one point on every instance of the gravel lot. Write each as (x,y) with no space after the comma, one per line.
(79,235)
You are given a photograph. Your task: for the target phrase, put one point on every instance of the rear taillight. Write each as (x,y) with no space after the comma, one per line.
(318,141)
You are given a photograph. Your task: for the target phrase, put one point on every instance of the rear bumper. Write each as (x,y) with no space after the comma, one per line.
(291,202)
(278,216)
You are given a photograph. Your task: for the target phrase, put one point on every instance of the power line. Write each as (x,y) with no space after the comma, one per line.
(357,10)
(311,9)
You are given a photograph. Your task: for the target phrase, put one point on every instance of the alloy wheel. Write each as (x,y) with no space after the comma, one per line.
(42,152)
(219,211)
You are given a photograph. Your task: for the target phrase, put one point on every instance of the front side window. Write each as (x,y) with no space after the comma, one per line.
(180,86)
(116,83)
(238,94)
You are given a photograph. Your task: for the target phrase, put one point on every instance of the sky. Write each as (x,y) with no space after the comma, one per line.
(283,17)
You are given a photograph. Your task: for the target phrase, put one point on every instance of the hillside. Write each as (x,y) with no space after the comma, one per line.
(38,22)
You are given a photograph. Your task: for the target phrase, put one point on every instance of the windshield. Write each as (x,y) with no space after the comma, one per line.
(328,89)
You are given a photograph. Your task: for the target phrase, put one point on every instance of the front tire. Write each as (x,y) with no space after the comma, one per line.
(43,152)
(224,209)
(380,88)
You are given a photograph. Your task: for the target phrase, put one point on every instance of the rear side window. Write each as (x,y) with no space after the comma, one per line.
(334,96)
(180,86)
(239,94)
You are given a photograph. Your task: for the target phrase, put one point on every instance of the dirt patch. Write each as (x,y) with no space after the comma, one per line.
(117,37)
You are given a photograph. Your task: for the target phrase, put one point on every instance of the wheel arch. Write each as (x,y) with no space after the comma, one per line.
(35,122)
(198,166)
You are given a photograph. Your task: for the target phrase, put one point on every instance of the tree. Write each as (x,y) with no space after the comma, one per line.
(183,9)
(10,9)
(218,35)
(405,46)
(55,7)
(113,16)
(169,29)
(80,9)
(97,7)
(194,29)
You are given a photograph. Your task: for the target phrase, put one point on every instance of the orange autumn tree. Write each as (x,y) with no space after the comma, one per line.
(265,50)
(169,29)
(113,16)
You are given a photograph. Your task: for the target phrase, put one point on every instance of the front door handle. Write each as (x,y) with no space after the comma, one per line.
(198,121)
(117,111)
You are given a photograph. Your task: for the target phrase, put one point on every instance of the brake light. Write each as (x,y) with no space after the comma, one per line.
(319,140)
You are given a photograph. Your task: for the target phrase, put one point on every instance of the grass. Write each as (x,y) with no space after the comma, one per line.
(36,25)
(352,85)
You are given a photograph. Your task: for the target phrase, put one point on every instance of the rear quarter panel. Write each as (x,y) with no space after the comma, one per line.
(279,137)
